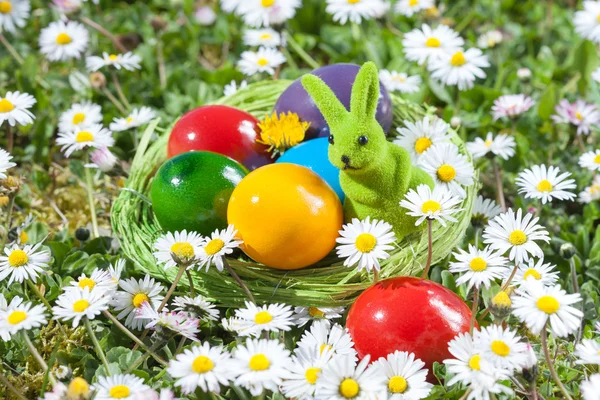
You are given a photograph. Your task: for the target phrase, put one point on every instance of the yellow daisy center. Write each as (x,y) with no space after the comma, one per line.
(478,264)
(78,388)
(500,348)
(578,115)
(422,144)
(113,57)
(432,42)
(533,273)
(262,61)
(597,159)
(458,59)
(474,362)
(397,384)
(214,246)
(446,173)
(6,106)
(23,237)
(84,136)
(517,237)
(16,317)
(183,250)
(324,347)
(399,78)
(413,3)
(80,305)
(502,300)
(544,186)
(17,258)
(129,120)
(548,304)
(139,299)
(349,388)
(87,283)
(202,365)
(119,392)
(353,1)
(259,362)
(365,242)
(267,3)
(5,7)
(263,317)
(265,36)
(431,206)
(488,143)
(63,39)
(78,118)
(598,18)
(315,312)
(312,374)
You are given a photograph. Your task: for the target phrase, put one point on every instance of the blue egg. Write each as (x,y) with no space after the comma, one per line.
(312,154)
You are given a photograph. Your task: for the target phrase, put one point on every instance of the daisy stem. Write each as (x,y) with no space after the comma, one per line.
(375,275)
(90,191)
(477,233)
(105,32)
(114,100)
(137,362)
(38,357)
(301,53)
(10,387)
(429,249)
(191,281)
(510,278)
(39,294)
(551,364)
(238,280)
(581,143)
(99,351)
(11,138)
(499,186)
(474,308)
(11,205)
(120,90)
(576,290)
(13,52)
(160,56)
(182,268)
(467,393)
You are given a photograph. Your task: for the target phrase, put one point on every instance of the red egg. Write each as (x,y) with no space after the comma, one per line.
(407,314)
(220,129)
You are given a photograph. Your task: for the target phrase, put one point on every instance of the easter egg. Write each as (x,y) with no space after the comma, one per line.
(191,191)
(220,129)
(407,314)
(312,154)
(287,216)
(339,77)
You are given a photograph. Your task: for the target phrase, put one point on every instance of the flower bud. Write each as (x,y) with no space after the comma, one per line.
(567,251)
(205,16)
(97,80)
(82,234)
(78,389)
(523,73)
(158,24)
(103,159)
(530,369)
(455,122)
(4,201)
(501,305)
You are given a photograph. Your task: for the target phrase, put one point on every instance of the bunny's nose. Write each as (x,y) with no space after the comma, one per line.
(345,159)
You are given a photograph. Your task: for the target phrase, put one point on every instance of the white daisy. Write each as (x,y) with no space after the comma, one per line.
(588,352)
(510,231)
(232,88)
(197,307)
(365,243)
(80,303)
(538,305)
(322,336)
(258,13)
(14,108)
(484,210)
(546,184)
(13,14)
(502,145)
(261,364)
(5,163)
(399,81)
(253,320)
(478,267)
(448,168)
(99,279)
(20,316)
(586,21)
(305,370)
(425,44)
(122,387)
(589,160)
(172,248)
(21,263)
(63,40)
(406,377)
(168,322)
(230,6)
(511,105)
(266,37)
(438,204)
(422,135)
(353,10)
(490,39)
(94,136)
(304,315)
(536,270)
(203,367)
(115,270)
(580,114)
(460,68)
(263,60)
(410,7)
(132,296)
(80,115)
(343,379)
(102,159)
(501,347)
(214,248)
(590,389)
(138,117)
(592,192)
(128,61)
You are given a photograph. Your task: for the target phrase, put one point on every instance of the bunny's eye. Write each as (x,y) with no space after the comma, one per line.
(330,139)
(362,140)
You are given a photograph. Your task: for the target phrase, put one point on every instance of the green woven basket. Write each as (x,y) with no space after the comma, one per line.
(326,284)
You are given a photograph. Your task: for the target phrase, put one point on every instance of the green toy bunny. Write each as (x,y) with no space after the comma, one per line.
(374,174)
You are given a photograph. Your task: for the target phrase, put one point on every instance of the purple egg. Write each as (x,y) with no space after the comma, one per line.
(339,77)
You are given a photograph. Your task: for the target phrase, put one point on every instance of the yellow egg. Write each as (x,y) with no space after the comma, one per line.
(287,216)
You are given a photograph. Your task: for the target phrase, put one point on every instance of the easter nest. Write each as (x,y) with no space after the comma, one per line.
(326,284)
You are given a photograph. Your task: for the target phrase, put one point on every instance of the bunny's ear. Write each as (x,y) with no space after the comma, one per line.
(329,105)
(365,91)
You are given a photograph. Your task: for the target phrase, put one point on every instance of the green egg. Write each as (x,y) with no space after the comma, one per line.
(191,191)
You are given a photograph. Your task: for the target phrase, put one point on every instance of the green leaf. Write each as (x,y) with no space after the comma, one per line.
(112,367)
(547,102)
(59,252)
(99,245)
(440,92)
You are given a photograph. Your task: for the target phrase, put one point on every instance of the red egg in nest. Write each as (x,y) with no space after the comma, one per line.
(407,314)
(220,129)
